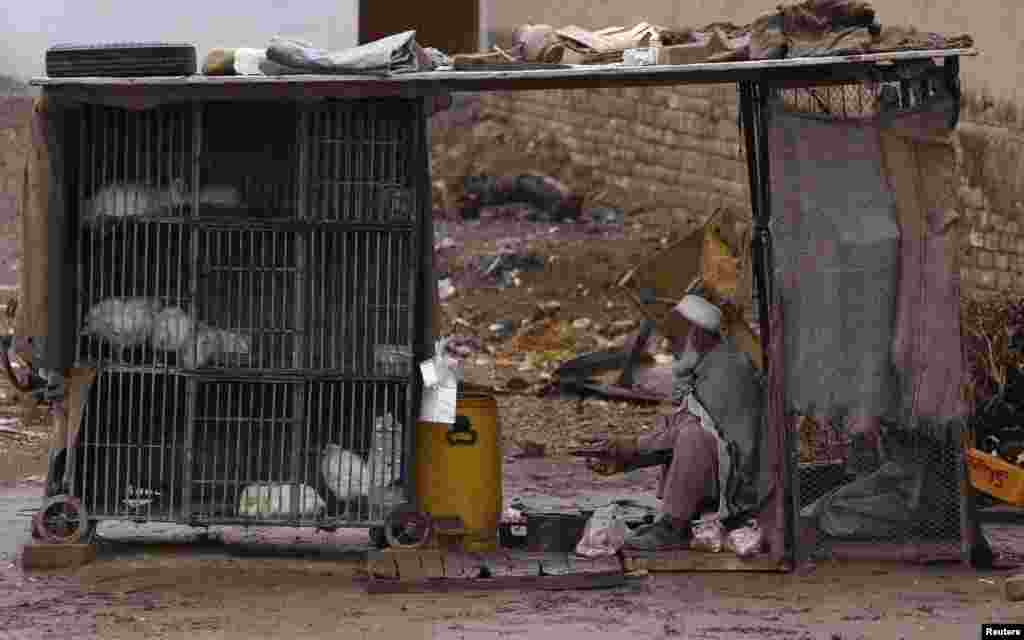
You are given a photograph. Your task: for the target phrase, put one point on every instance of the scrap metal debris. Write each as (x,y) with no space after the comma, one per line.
(505,267)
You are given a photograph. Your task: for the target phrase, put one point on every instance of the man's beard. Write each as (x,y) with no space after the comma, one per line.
(688,358)
(682,371)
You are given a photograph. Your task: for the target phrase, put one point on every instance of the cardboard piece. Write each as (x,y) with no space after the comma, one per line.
(717,255)
(32,317)
(926,345)
(464,61)
(703,50)
(77,385)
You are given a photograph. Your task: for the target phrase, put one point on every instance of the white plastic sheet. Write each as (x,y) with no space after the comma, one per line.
(441,376)
(604,534)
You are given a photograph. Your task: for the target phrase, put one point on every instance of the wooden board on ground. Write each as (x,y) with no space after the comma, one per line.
(500,583)
(406,564)
(57,556)
(685,560)
(422,570)
(381,564)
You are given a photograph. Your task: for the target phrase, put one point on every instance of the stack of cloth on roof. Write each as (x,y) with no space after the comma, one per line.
(810,28)
(399,53)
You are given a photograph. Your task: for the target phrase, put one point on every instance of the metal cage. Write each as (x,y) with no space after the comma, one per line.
(247,287)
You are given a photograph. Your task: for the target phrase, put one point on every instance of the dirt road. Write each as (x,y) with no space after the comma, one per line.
(159,581)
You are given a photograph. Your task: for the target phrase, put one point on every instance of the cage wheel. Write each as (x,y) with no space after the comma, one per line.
(407,528)
(63,520)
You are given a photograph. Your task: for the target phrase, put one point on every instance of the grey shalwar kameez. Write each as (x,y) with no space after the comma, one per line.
(715,436)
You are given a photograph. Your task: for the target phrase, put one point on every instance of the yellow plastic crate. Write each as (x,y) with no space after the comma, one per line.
(996,477)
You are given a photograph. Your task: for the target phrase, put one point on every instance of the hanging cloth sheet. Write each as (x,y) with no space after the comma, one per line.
(868,278)
(919,157)
(836,242)
(866,265)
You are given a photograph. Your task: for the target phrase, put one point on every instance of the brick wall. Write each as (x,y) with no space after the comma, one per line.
(992,200)
(680,150)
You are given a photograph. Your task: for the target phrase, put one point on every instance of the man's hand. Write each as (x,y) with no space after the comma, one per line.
(611,455)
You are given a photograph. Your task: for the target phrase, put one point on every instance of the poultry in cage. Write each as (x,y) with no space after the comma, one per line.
(172,328)
(129,322)
(349,475)
(211,345)
(128,200)
(346,473)
(123,322)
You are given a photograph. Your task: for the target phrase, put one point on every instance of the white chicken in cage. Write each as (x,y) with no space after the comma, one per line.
(172,329)
(127,200)
(123,322)
(346,473)
(349,475)
(211,344)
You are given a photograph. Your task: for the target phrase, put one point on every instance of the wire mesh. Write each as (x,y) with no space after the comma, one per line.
(247,298)
(361,303)
(897,496)
(133,247)
(129,461)
(359,161)
(257,457)
(864,100)
(249,276)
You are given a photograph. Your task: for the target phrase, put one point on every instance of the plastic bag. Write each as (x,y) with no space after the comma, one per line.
(604,534)
(745,541)
(441,377)
(708,534)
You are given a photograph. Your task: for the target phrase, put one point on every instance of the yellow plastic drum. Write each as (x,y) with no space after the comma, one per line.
(458,470)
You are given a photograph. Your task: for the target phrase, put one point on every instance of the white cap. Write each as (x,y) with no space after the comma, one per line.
(700,312)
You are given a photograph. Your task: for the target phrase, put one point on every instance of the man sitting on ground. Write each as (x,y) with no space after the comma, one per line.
(714,434)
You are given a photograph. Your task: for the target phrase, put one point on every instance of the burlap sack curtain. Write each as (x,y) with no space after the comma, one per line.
(919,157)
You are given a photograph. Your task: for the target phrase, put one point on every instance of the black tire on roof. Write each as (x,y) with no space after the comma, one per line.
(129,59)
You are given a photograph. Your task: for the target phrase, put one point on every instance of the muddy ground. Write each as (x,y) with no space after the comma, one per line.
(158,581)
